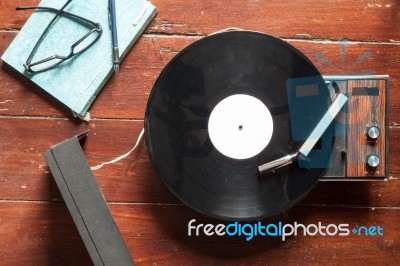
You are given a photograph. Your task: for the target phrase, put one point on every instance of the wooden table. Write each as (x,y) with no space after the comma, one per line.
(340,37)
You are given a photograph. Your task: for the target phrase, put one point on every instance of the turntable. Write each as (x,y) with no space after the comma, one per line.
(241,125)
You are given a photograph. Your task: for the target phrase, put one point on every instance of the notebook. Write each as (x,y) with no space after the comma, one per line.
(77,81)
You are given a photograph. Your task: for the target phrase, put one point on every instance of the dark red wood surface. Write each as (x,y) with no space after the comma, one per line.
(339,37)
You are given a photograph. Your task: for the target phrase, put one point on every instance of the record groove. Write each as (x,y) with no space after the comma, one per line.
(177,118)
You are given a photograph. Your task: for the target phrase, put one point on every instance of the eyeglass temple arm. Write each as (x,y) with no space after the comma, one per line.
(51,9)
(45,31)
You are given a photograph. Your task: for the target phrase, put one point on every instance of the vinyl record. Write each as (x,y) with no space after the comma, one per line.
(220,109)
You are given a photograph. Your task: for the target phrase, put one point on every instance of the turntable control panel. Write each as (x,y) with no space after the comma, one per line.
(360,148)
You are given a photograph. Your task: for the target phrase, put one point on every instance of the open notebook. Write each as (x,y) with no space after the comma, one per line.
(77,81)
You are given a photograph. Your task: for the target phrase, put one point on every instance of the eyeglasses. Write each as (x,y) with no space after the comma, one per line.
(77,47)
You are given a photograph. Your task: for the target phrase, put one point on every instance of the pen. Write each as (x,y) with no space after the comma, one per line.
(113,25)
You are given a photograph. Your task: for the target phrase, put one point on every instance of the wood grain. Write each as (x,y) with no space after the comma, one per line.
(355,20)
(24,174)
(126,96)
(42,233)
(366,111)
(339,37)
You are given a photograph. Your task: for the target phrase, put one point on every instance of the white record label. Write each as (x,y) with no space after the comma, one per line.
(240,126)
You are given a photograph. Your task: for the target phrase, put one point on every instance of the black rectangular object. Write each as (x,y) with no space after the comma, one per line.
(86,203)
(366,91)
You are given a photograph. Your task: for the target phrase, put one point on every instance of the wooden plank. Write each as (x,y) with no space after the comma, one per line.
(125,96)
(11,18)
(36,227)
(39,234)
(356,20)
(43,234)
(24,174)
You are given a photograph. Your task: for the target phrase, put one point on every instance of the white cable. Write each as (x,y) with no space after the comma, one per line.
(226,30)
(97,167)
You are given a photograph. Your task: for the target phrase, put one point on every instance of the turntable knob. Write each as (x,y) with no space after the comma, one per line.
(373,132)
(373,160)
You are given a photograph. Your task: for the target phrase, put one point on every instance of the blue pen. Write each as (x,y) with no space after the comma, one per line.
(113,25)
